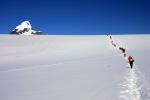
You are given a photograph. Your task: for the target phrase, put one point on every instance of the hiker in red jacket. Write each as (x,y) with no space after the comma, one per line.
(131,60)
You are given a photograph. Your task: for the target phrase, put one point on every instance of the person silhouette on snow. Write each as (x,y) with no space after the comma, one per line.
(131,60)
(110,37)
(114,44)
(123,51)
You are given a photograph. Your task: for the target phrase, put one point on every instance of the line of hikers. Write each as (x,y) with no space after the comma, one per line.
(123,50)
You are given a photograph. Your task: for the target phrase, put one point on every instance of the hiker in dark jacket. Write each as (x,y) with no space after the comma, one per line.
(122,49)
(110,37)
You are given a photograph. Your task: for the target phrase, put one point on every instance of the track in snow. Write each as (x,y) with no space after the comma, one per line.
(135,86)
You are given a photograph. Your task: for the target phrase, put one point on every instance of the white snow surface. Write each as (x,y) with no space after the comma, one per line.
(73,68)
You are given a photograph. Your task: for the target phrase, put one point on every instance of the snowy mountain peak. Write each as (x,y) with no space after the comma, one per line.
(23,25)
(25,28)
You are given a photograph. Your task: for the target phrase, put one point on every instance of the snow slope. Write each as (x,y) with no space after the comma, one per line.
(73,68)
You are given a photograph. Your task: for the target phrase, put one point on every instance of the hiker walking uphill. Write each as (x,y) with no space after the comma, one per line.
(131,60)
(112,42)
(123,50)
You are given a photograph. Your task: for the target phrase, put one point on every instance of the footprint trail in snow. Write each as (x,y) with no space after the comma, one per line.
(135,86)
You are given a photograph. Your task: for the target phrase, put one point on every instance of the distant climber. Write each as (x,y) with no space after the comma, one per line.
(125,54)
(114,44)
(110,37)
(131,60)
(122,49)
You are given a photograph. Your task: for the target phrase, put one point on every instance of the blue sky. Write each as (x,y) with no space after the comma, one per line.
(77,16)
